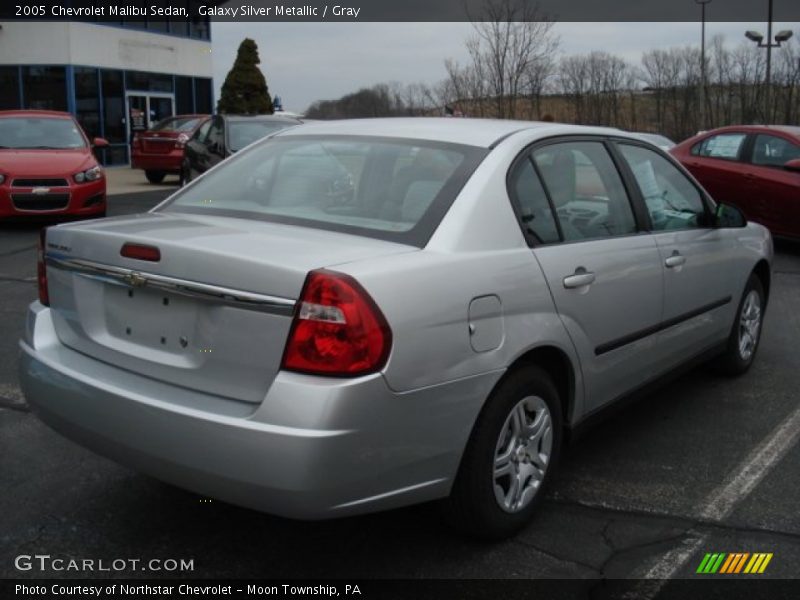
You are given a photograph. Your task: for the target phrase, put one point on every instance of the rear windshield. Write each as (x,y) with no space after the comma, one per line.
(244,133)
(186,124)
(40,133)
(387,188)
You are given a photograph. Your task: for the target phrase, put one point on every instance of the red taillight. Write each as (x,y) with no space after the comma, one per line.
(41,269)
(141,252)
(181,140)
(337,330)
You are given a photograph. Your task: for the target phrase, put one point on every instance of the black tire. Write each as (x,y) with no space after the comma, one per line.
(473,507)
(155,176)
(733,361)
(186,173)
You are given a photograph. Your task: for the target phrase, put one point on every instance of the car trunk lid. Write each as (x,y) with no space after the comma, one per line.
(212,314)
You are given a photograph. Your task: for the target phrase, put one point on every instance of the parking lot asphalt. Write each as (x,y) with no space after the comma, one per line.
(705,464)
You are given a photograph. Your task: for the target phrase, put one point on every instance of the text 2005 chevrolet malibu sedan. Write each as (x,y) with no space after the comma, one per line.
(354,316)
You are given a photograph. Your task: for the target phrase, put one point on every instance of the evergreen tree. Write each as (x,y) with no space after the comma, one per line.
(245,89)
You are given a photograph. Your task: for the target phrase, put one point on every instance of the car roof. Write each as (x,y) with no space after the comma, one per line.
(791,130)
(55,114)
(471,132)
(259,118)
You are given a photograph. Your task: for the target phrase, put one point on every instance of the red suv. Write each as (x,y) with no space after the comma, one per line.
(159,150)
(754,167)
(47,166)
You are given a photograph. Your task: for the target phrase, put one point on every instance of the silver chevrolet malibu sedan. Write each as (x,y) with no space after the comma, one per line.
(358,315)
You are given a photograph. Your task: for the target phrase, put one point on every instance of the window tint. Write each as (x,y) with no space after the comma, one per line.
(774,151)
(585,189)
(202,131)
(382,188)
(531,202)
(725,145)
(215,135)
(672,200)
(243,133)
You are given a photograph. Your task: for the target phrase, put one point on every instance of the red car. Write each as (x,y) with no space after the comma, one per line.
(159,150)
(47,166)
(754,167)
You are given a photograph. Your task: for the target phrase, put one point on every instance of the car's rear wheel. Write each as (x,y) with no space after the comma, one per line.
(155,176)
(745,334)
(510,457)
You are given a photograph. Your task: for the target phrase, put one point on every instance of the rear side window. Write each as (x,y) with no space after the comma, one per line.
(586,190)
(533,207)
(394,189)
(772,151)
(724,145)
(672,201)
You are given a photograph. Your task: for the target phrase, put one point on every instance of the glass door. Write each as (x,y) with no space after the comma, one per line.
(147,109)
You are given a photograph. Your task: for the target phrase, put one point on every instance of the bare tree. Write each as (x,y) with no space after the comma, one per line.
(510,53)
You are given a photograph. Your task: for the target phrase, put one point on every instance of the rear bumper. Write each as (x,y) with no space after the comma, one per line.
(314,448)
(169,162)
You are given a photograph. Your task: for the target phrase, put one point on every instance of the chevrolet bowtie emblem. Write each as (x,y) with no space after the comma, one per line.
(40,191)
(135,279)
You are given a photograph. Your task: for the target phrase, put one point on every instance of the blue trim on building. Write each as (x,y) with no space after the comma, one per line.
(72,105)
(21,92)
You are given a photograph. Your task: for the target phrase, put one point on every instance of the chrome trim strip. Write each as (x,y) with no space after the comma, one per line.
(201,291)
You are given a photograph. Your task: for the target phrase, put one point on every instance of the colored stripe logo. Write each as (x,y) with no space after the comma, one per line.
(734,563)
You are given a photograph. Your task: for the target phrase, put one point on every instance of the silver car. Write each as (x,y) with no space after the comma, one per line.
(359,315)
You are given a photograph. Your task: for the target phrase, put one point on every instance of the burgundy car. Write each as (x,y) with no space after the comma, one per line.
(47,166)
(754,167)
(159,151)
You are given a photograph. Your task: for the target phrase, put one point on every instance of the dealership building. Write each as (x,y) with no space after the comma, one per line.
(115,77)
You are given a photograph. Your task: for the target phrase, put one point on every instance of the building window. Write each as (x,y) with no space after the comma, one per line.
(113,106)
(184,102)
(151,82)
(202,95)
(87,100)
(198,28)
(45,88)
(9,88)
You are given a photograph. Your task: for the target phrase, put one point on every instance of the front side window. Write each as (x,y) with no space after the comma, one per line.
(725,145)
(772,151)
(387,188)
(40,133)
(673,202)
(585,189)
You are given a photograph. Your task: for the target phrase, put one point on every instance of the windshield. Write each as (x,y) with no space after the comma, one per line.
(244,133)
(379,187)
(186,124)
(40,133)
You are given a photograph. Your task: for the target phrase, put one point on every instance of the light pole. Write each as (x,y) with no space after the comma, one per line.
(780,37)
(703,111)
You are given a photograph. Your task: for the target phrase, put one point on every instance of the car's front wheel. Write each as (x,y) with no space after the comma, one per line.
(186,173)
(510,457)
(155,176)
(745,334)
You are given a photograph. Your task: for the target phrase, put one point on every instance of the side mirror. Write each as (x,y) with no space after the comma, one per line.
(729,216)
(99,142)
(792,165)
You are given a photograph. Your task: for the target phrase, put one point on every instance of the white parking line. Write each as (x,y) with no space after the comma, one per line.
(723,500)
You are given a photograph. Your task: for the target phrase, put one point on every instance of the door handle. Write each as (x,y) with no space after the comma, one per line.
(579,279)
(676,260)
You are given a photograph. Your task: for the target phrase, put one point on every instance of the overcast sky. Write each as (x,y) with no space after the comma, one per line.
(304,62)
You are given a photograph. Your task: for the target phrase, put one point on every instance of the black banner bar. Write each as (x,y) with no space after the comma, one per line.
(399,10)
